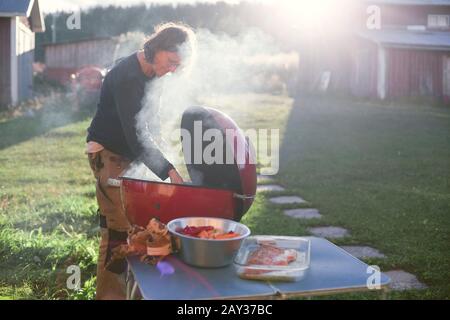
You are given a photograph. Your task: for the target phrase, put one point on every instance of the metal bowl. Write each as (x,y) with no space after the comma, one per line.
(207,253)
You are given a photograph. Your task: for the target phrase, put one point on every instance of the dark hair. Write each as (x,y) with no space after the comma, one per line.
(167,37)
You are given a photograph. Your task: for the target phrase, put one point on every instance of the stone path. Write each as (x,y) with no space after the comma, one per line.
(269,188)
(329,232)
(401,280)
(287,200)
(261,178)
(303,213)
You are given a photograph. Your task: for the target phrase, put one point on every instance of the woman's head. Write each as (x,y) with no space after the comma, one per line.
(168,46)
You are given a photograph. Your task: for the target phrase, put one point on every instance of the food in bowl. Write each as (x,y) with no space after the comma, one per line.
(207,232)
(207,252)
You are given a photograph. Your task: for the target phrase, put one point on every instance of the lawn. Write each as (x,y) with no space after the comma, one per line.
(380,170)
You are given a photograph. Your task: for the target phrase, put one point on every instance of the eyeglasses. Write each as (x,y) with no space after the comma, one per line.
(173,63)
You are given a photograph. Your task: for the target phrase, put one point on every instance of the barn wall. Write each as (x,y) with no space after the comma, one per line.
(392,15)
(364,69)
(5,62)
(25,55)
(79,54)
(62,60)
(414,73)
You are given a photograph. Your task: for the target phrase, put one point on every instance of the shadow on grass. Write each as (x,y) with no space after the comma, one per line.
(42,277)
(23,128)
(64,223)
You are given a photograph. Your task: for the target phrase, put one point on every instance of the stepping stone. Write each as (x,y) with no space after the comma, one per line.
(261,178)
(363,252)
(329,232)
(401,280)
(269,188)
(287,200)
(303,213)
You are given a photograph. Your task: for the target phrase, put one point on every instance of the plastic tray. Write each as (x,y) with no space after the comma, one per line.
(293,271)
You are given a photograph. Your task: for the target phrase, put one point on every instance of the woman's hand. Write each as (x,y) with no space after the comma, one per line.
(175,177)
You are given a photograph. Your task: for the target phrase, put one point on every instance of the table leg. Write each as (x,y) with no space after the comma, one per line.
(133,293)
(129,284)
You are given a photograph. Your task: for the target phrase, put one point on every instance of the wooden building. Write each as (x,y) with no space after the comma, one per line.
(19,20)
(64,58)
(409,56)
(406,55)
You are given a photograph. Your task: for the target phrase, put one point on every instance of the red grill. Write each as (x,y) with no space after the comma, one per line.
(224,190)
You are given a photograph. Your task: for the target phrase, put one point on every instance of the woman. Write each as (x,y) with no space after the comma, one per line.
(112,141)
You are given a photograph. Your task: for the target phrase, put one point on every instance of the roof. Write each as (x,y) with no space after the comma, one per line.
(24,8)
(12,8)
(427,40)
(412,2)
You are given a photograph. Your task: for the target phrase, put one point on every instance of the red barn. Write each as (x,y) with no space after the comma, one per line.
(408,56)
(405,54)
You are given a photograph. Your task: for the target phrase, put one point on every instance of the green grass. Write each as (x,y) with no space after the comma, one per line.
(382,171)
(47,208)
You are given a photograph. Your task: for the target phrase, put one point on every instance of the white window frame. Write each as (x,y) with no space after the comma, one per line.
(445,20)
(439,21)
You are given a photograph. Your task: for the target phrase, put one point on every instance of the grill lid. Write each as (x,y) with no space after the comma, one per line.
(218,155)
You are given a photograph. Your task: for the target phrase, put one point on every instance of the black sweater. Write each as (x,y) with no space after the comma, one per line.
(114,124)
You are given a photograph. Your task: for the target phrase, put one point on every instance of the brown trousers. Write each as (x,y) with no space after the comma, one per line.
(106,164)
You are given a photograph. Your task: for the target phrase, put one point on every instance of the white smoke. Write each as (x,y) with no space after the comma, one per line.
(138,170)
(223,65)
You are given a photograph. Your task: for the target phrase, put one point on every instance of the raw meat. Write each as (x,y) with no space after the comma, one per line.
(271,255)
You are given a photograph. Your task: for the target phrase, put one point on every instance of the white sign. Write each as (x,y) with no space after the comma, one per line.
(374,280)
(74,280)
(374,20)
(74,20)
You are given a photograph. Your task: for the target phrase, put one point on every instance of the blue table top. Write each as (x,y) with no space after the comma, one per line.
(332,270)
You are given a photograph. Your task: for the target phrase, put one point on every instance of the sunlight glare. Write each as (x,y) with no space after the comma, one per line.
(310,14)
